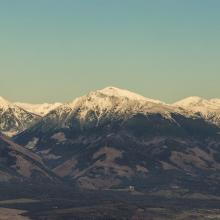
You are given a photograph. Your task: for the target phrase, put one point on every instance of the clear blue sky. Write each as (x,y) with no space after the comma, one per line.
(56,50)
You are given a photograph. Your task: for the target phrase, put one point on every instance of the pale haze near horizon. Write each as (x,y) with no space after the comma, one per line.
(55,51)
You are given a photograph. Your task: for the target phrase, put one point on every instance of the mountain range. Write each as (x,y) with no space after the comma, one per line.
(17,116)
(113,138)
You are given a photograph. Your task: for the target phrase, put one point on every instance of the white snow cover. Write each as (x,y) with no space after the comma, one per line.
(113,91)
(201,105)
(14,119)
(4,104)
(38,109)
(121,101)
(113,102)
(109,102)
(209,109)
(105,97)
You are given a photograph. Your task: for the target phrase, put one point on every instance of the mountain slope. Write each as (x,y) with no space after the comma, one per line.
(18,164)
(101,107)
(14,119)
(113,138)
(38,109)
(208,109)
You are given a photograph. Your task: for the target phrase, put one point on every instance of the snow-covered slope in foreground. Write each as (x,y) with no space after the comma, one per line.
(38,109)
(14,119)
(207,108)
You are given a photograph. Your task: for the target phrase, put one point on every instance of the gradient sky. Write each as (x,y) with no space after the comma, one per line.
(56,50)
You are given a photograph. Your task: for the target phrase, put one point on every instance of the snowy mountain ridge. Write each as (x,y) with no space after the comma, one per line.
(109,103)
(198,103)
(14,119)
(114,102)
(4,104)
(105,96)
(38,109)
(207,108)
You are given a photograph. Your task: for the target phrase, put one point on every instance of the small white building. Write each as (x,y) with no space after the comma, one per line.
(131,188)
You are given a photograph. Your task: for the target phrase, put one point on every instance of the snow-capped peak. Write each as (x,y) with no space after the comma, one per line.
(210,108)
(122,93)
(109,103)
(113,91)
(108,97)
(192,100)
(14,119)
